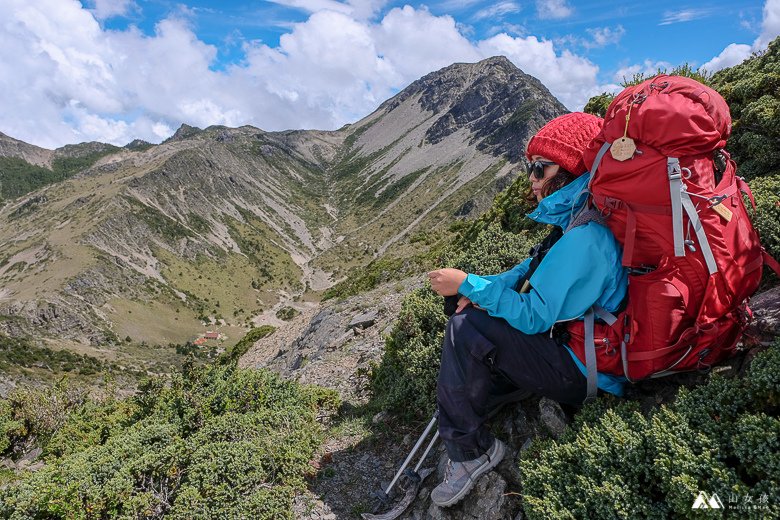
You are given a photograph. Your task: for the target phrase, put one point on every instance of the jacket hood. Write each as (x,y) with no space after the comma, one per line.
(556,208)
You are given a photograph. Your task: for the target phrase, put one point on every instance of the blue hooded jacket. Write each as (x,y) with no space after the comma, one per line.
(582,268)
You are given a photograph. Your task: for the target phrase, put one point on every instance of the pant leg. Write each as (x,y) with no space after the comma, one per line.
(480,355)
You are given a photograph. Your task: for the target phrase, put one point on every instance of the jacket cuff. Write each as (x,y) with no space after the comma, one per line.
(471,284)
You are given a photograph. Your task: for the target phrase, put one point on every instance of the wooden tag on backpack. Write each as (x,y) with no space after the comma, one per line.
(723,211)
(623,149)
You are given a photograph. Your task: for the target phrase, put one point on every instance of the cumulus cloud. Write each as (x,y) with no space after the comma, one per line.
(568,76)
(553,9)
(603,36)
(66,79)
(732,55)
(770,25)
(647,68)
(736,53)
(104,9)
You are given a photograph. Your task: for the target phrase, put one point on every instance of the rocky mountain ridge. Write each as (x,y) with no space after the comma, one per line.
(230,224)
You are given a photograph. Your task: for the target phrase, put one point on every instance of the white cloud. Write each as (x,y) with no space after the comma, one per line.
(415,42)
(65,79)
(770,25)
(684,15)
(313,6)
(553,9)
(360,9)
(736,53)
(497,11)
(566,75)
(732,55)
(105,9)
(603,36)
(648,68)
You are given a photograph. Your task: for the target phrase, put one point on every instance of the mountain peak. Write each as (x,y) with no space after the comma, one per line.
(184,132)
(10,147)
(500,104)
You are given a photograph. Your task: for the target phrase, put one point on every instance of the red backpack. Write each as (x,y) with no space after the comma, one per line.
(669,190)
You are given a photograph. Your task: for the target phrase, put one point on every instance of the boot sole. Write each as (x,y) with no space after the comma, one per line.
(494,460)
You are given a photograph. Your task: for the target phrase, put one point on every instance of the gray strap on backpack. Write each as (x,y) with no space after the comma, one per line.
(690,209)
(590,347)
(675,191)
(590,357)
(604,315)
(682,200)
(597,161)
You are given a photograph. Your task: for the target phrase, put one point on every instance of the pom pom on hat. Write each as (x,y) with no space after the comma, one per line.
(563,140)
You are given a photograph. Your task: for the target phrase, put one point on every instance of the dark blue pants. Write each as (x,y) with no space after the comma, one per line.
(486,363)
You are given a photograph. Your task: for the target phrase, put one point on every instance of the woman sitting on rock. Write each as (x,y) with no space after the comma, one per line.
(498,344)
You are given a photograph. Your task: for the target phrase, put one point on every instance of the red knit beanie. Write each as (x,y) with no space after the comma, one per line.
(563,140)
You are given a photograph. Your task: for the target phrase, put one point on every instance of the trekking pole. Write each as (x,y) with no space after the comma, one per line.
(425,453)
(415,479)
(414,450)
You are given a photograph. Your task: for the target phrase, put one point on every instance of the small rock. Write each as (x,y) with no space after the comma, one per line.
(31,455)
(33,467)
(363,321)
(526,444)
(380,417)
(552,417)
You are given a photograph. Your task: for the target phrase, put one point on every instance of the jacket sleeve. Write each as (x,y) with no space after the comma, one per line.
(510,278)
(572,276)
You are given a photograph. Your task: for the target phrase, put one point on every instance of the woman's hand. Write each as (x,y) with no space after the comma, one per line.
(464,302)
(445,282)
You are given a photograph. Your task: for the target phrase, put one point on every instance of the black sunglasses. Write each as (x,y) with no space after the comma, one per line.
(537,168)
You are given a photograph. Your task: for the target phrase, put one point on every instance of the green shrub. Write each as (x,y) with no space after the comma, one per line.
(492,251)
(91,424)
(18,177)
(766,218)
(287,313)
(10,428)
(614,462)
(244,344)
(35,414)
(405,379)
(210,442)
(133,475)
(509,210)
(750,89)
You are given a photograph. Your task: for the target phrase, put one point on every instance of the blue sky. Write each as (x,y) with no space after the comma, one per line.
(114,70)
(632,32)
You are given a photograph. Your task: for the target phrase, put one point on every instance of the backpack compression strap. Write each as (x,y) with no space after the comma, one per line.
(597,161)
(590,347)
(681,199)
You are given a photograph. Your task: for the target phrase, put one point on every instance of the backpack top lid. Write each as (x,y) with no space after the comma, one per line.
(676,115)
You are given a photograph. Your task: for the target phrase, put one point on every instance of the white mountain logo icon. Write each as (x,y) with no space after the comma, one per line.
(704,502)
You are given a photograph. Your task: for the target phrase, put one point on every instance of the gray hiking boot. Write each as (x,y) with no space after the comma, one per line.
(460,477)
